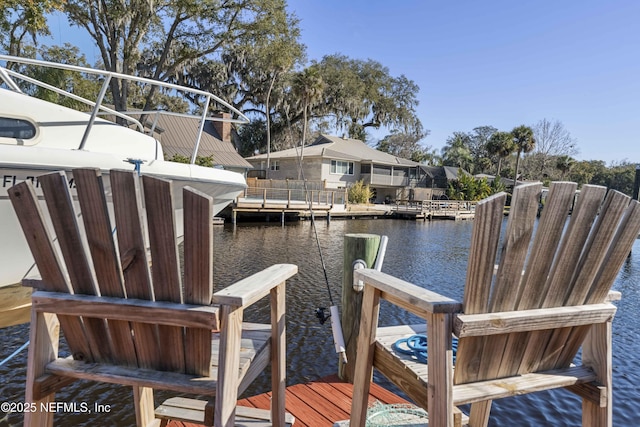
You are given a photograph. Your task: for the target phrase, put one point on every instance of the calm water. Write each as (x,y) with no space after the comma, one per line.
(431,254)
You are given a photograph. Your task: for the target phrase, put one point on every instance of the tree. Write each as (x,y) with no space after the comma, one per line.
(500,144)
(564,165)
(361,94)
(552,140)
(164,39)
(72,82)
(405,146)
(20,19)
(583,172)
(258,72)
(479,138)
(524,142)
(618,176)
(456,151)
(308,86)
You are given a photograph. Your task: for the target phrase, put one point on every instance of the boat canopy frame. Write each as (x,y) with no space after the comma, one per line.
(8,76)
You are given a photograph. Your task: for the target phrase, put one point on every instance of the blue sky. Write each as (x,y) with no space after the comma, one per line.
(494,62)
(499,63)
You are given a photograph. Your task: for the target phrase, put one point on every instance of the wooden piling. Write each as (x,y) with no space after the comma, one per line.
(636,183)
(356,246)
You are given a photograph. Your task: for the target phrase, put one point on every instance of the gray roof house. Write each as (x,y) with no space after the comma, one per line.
(340,162)
(178,136)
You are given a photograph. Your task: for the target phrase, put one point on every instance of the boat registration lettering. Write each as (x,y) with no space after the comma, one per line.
(11,180)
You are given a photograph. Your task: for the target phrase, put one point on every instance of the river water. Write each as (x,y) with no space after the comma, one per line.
(431,254)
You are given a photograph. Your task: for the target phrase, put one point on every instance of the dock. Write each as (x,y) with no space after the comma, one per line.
(435,209)
(277,204)
(280,203)
(319,403)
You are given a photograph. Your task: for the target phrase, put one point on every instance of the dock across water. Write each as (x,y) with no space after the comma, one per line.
(435,209)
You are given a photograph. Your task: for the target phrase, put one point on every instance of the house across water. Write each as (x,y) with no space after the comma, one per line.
(341,162)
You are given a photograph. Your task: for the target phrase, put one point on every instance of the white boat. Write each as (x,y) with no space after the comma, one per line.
(38,137)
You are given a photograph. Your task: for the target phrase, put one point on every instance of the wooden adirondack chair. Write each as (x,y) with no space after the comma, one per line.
(136,321)
(520,326)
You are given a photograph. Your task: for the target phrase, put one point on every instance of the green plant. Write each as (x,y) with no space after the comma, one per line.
(360,193)
(466,187)
(206,161)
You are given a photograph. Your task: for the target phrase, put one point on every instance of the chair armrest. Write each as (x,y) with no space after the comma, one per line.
(412,298)
(473,325)
(251,289)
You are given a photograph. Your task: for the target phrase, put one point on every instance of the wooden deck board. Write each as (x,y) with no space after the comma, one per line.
(315,404)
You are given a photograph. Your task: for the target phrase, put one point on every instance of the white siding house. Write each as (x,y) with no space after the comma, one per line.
(340,162)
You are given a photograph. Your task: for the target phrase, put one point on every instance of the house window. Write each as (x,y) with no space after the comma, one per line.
(341,168)
(274,165)
(16,128)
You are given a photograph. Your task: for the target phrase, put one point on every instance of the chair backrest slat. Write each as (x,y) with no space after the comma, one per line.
(106,261)
(95,216)
(40,241)
(129,221)
(131,239)
(562,271)
(535,272)
(596,247)
(617,253)
(158,196)
(482,253)
(165,268)
(55,188)
(577,233)
(626,230)
(522,216)
(474,352)
(65,223)
(545,244)
(198,273)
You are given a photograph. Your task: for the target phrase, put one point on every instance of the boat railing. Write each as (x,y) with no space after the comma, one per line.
(8,77)
(106,110)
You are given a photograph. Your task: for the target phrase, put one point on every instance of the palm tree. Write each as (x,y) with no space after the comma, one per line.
(500,144)
(564,164)
(524,142)
(308,86)
(456,151)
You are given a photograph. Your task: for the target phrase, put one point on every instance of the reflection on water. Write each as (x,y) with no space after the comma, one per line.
(429,254)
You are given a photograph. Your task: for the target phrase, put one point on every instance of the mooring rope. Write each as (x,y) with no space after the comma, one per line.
(416,346)
(309,201)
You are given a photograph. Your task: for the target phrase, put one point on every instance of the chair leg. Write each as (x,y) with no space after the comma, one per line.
(278,356)
(144,406)
(43,348)
(228,365)
(364,366)
(596,353)
(479,414)
(440,369)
